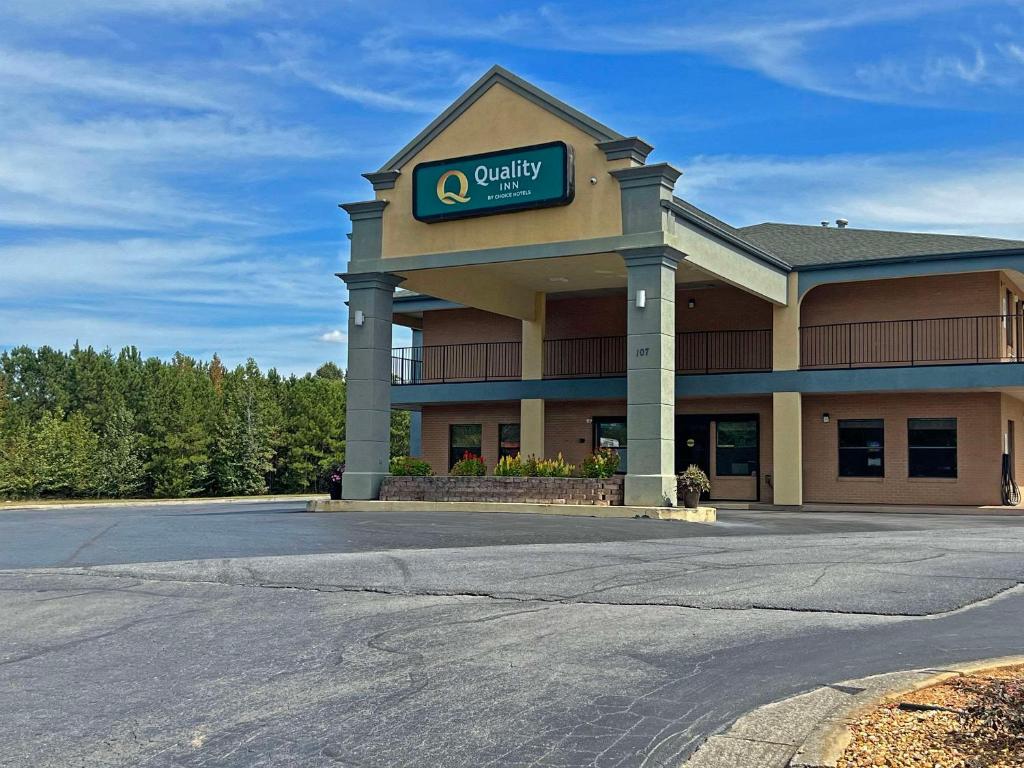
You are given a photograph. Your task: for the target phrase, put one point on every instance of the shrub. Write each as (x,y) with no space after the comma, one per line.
(470,465)
(604,462)
(556,467)
(408,466)
(510,466)
(694,479)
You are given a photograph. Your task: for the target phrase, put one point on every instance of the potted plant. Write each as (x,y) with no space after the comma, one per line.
(335,482)
(693,482)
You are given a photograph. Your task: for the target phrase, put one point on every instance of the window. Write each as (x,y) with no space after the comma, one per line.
(611,433)
(462,439)
(931,447)
(508,440)
(736,447)
(861,448)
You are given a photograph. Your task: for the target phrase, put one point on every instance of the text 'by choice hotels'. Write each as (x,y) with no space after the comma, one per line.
(502,181)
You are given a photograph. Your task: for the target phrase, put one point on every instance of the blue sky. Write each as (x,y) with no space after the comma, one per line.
(170,169)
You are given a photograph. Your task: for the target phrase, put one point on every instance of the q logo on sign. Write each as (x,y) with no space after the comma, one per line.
(448,197)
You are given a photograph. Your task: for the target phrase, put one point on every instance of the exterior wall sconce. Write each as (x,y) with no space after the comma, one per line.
(641,299)
(359,318)
(691,303)
(824,418)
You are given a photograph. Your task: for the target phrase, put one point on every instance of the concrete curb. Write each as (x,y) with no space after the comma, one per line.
(86,503)
(810,730)
(699,515)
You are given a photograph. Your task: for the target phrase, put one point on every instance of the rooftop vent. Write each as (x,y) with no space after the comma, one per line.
(824,222)
(841,223)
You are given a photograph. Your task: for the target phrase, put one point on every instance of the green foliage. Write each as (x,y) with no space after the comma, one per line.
(510,466)
(556,467)
(120,462)
(88,423)
(470,465)
(693,479)
(604,462)
(408,466)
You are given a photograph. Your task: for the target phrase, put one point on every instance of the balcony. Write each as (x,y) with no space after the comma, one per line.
(697,352)
(895,343)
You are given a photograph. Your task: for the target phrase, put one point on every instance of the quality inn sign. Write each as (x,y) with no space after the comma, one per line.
(494,182)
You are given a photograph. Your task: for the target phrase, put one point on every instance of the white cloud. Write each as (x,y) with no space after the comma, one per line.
(952,192)
(335,337)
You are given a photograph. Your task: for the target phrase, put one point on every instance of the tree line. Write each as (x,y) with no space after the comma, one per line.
(90,423)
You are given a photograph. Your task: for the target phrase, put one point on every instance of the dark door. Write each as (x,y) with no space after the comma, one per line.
(693,443)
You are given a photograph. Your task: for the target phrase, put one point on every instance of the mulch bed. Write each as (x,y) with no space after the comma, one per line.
(973,721)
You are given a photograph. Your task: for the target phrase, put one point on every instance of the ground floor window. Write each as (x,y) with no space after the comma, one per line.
(611,433)
(463,439)
(735,447)
(931,447)
(861,448)
(508,440)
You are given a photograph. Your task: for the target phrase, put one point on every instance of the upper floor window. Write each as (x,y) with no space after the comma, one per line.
(861,448)
(931,447)
(1009,315)
(463,439)
(508,440)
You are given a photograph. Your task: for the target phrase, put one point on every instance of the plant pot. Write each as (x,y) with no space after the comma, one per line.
(336,491)
(691,498)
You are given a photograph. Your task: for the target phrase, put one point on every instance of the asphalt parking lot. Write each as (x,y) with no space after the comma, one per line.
(259,635)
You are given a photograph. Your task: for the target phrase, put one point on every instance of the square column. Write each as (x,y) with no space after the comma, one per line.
(368,414)
(531,412)
(650,377)
(787,449)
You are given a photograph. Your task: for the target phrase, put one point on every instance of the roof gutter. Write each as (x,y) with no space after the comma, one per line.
(911,259)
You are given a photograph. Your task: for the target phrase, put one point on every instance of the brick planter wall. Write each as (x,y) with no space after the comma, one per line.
(522,490)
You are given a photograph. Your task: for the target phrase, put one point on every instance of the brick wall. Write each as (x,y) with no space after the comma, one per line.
(521,490)
(979,440)
(905,298)
(468,326)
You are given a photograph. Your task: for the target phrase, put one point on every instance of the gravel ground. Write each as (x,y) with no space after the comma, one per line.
(897,737)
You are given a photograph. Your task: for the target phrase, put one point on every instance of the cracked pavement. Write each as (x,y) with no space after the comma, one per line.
(257,635)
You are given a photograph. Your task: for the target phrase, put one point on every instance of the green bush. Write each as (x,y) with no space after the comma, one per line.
(694,479)
(604,462)
(556,467)
(470,465)
(408,466)
(510,466)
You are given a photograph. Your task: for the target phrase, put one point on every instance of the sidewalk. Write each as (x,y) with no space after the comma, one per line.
(890,509)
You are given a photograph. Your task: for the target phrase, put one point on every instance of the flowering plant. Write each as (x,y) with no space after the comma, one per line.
(470,465)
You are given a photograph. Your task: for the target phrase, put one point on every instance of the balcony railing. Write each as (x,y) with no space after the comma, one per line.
(893,343)
(696,352)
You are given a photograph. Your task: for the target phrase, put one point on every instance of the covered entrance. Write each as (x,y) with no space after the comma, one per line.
(726,447)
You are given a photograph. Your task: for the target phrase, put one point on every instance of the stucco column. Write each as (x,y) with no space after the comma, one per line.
(786,329)
(531,412)
(650,377)
(787,449)
(368,420)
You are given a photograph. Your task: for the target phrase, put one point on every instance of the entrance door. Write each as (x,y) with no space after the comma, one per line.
(726,447)
(693,443)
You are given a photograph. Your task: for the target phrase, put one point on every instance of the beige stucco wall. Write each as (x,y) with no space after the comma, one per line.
(501,119)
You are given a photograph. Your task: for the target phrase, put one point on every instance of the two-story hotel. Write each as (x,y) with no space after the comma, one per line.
(562,298)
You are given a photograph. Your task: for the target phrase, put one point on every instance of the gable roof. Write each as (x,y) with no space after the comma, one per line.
(493,76)
(808,246)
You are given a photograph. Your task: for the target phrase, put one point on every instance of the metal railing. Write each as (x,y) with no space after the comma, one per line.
(593,357)
(445,363)
(893,343)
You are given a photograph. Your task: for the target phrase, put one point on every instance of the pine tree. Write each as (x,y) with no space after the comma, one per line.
(120,473)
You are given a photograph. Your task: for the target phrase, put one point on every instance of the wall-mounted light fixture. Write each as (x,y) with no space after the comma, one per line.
(641,299)
(359,318)
(691,303)
(824,418)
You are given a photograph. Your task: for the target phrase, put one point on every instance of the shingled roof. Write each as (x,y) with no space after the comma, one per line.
(805,246)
